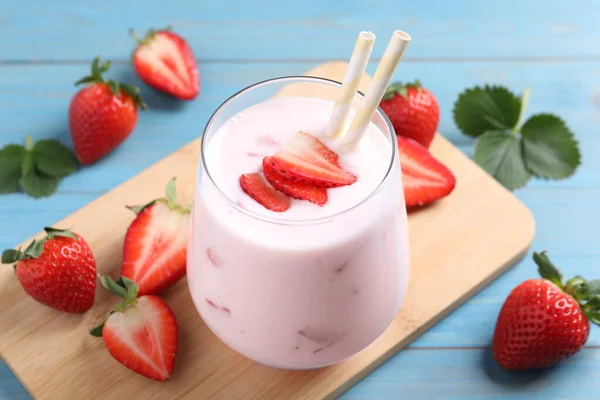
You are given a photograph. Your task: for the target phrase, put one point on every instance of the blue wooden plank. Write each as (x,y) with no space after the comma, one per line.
(242,30)
(31,103)
(10,387)
(474,375)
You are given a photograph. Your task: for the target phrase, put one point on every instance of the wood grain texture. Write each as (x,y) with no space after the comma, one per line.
(241,30)
(205,365)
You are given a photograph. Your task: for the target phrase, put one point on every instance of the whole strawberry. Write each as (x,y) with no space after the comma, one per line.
(413,111)
(102,115)
(544,322)
(58,270)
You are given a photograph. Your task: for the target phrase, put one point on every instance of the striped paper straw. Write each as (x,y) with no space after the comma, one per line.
(381,80)
(356,67)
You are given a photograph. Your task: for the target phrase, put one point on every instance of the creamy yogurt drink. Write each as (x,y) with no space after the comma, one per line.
(314,282)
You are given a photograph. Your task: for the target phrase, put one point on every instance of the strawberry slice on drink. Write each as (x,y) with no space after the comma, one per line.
(164,61)
(305,159)
(255,186)
(154,252)
(141,332)
(301,191)
(425,179)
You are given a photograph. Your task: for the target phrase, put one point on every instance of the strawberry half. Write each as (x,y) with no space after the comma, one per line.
(301,191)
(305,159)
(424,178)
(164,61)
(255,186)
(141,332)
(154,252)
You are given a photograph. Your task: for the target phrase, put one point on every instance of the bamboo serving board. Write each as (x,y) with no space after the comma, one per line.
(458,245)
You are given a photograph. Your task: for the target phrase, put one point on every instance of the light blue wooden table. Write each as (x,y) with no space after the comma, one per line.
(551,46)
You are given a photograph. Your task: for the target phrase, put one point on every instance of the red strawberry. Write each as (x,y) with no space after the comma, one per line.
(544,322)
(164,61)
(141,332)
(257,187)
(424,178)
(307,160)
(154,252)
(413,111)
(102,115)
(296,190)
(58,270)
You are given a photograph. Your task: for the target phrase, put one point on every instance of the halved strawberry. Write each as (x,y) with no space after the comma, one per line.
(154,252)
(257,187)
(164,61)
(301,191)
(307,160)
(424,178)
(141,332)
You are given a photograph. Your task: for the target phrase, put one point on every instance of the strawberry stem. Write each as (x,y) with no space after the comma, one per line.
(28,143)
(524,103)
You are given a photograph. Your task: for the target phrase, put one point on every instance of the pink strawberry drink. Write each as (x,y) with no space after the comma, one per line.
(314,284)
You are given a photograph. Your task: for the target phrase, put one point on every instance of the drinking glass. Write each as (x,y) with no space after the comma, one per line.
(276,291)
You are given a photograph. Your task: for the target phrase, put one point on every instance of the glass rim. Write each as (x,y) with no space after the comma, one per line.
(283,221)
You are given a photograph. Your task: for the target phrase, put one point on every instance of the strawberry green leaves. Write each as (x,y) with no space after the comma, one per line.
(11,159)
(549,149)
(35,169)
(500,155)
(484,109)
(510,151)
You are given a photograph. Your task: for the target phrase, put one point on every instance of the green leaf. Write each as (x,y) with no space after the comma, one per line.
(97,331)
(594,287)
(171,191)
(546,269)
(490,108)
(139,209)
(35,249)
(593,303)
(500,155)
(130,286)
(113,286)
(53,158)
(549,148)
(593,316)
(10,256)
(35,183)
(578,288)
(11,160)
(52,232)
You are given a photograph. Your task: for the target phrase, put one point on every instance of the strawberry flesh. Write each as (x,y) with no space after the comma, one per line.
(305,159)
(301,191)
(165,62)
(425,179)
(144,337)
(154,252)
(255,186)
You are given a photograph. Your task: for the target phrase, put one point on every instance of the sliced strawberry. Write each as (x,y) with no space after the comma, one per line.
(141,333)
(164,61)
(424,178)
(154,252)
(301,191)
(257,187)
(306,159)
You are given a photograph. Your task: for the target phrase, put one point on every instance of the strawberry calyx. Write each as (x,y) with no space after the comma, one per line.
(586,293)
(401,88)
(36,247)
(95,76)
(150,33)
(124,288)
(170,200)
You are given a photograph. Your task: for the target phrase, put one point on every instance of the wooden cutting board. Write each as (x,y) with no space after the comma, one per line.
(458,245)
